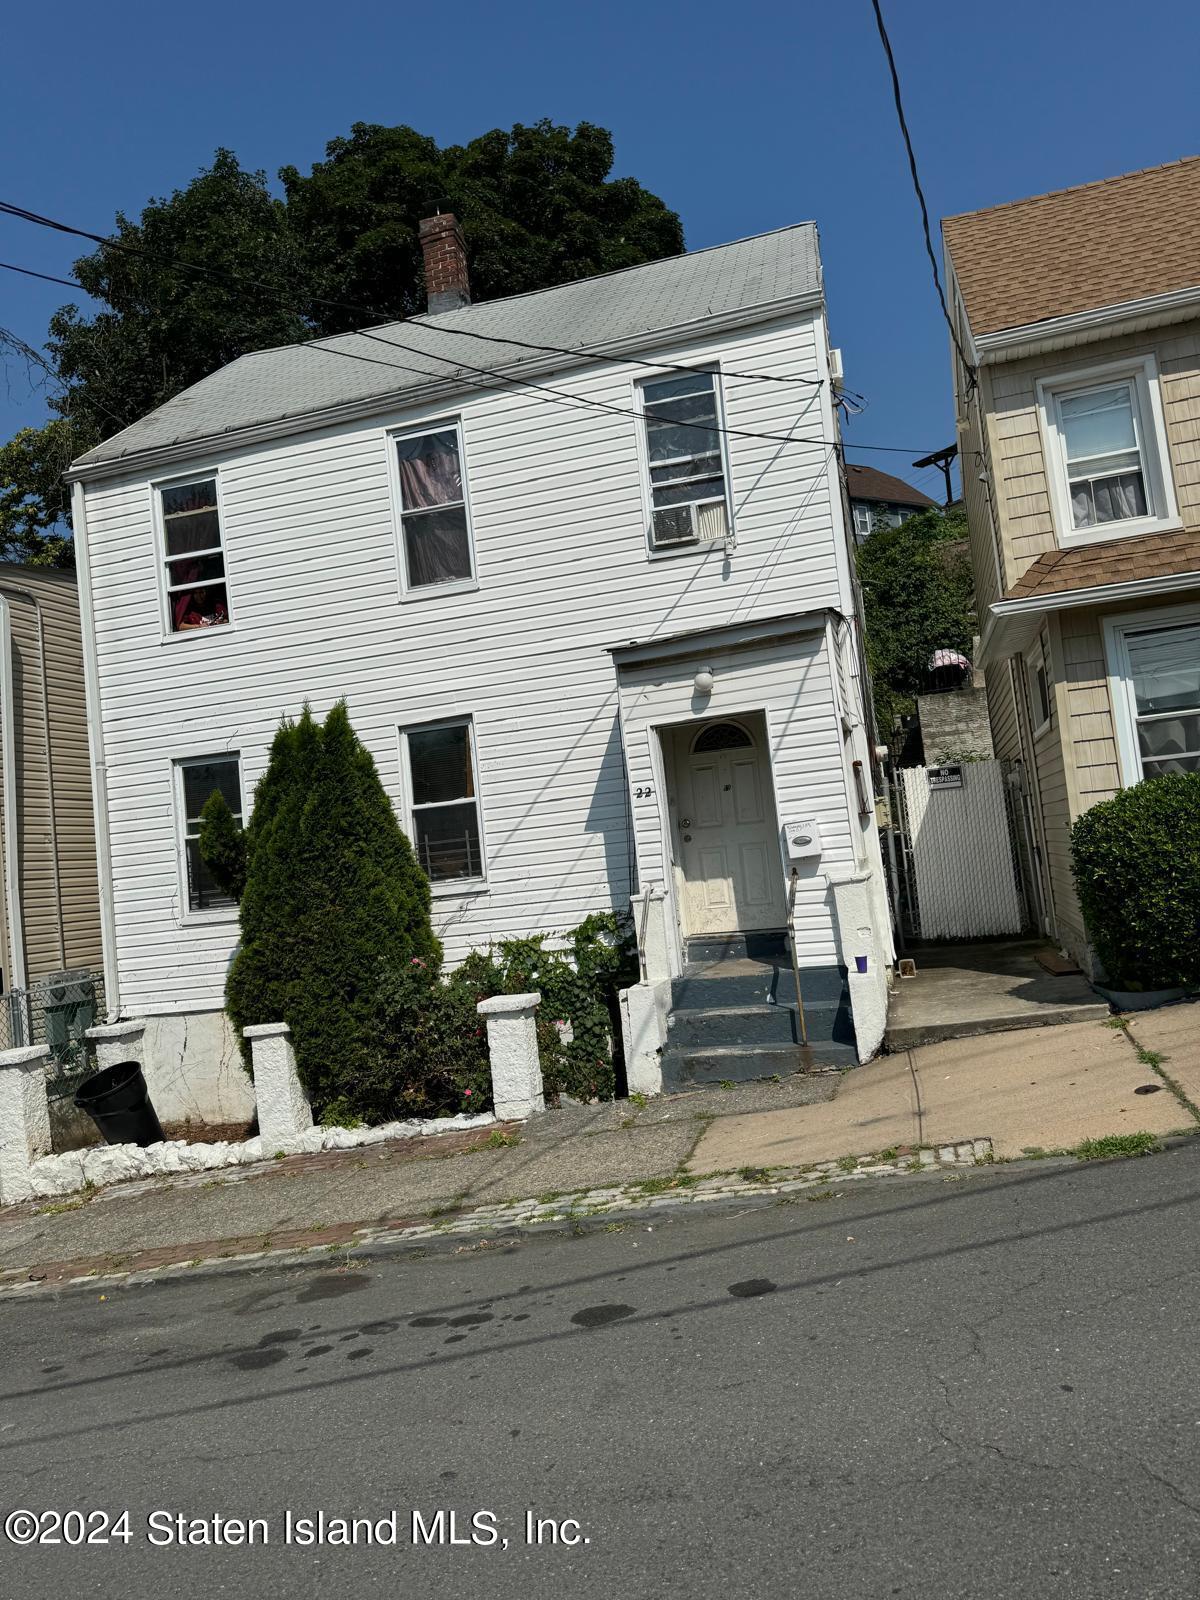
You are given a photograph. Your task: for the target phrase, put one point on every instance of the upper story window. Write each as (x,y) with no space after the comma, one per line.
(445,802)
(193,557)
(197,779)
(1106,449)
(435,524)
(688,495)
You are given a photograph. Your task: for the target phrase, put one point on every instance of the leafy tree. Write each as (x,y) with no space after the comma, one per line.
(918,597)
(536,204)
(164,326)
(222,845)
(334,903)
(34,500)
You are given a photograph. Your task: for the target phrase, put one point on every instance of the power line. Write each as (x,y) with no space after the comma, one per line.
(46,277)
(24,215)
(912,167)
(495,378)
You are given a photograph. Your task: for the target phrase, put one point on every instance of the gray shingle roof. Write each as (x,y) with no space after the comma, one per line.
(299,380)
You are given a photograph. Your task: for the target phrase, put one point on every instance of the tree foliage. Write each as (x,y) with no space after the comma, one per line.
(917,598)
(34,500)
(334,903)
(223,267)
(537,206)
(1136,860)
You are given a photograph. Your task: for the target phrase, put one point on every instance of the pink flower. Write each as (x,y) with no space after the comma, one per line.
(466,1091)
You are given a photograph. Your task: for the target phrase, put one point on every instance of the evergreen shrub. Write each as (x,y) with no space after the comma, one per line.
(1136,860)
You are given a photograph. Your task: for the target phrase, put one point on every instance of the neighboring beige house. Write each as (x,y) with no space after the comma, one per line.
(50,919)
(1079,435)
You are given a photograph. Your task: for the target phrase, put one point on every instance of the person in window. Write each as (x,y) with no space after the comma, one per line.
(199,608)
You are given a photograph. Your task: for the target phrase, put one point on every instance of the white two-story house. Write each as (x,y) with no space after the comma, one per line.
(578,561)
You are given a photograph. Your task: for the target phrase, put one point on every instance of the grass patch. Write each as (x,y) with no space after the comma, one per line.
(638,1099)
(890,1154)
(657,1185)
(1116,1145)
(499,1140)
(848,1163)
(754,1174)
(725,1083)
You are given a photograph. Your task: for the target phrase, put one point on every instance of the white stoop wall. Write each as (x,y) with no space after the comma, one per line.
(558,518)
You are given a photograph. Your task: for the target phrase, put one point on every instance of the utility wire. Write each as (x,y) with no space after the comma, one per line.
(494,380)
(46,277)
(24,215)
(916,180)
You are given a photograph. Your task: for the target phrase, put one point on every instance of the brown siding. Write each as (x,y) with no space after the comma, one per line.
(57,867)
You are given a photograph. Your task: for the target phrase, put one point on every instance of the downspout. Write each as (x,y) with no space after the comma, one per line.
(53,805)
(15,977)
(91,685)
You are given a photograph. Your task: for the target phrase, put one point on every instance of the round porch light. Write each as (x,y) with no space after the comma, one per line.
(703,682)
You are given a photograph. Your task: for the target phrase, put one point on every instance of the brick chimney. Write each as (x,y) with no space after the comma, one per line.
(447,285)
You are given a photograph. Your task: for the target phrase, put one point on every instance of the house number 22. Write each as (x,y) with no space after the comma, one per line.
(646,792)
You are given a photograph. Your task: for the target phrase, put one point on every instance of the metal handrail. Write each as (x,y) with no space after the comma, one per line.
(641,937)
(791,922)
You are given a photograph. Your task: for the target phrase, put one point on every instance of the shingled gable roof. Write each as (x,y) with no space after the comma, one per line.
(868,483)
(1094,566)
(729,282)
(1101,244)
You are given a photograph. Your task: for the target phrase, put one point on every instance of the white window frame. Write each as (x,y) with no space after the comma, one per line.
(429,591)
(697,546)
(177,480)
(1120,675)
(448,887)
(1141,373)
(207,914)
(1038,662)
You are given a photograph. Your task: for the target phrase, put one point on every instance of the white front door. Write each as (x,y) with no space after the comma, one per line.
(727,836)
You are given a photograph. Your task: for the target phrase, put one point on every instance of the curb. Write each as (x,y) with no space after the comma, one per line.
(485,1226)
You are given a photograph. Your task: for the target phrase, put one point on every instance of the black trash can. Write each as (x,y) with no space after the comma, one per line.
(117,1102)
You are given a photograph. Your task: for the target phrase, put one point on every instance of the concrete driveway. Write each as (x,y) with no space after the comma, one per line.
(1037,1089)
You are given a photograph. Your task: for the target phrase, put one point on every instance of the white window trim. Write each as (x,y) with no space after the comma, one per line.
(701,546)
(1038,657)
(1120,676)
(1142,373)
(213,914)
(429,591)
(167,635)
(449,887)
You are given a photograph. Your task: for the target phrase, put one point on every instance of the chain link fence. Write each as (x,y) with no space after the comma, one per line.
(56,1010)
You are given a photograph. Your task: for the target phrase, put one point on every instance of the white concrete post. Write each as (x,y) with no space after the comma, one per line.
(862,954)
(24,1118)
(649,907)
(517,1090)
(114,1042)
(283,1108)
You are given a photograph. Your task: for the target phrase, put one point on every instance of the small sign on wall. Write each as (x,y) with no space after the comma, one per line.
(948,777)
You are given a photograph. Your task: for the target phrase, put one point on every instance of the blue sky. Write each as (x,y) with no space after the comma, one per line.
(742,118)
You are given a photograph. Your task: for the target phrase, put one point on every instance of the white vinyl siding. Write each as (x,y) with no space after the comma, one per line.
(559,521)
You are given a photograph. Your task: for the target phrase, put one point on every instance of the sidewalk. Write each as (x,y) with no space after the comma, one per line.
(1045,1089)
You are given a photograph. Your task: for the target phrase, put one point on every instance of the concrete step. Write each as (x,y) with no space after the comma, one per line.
(909,1036)
(743,982)
(770,945)
(747,1026)
(734,1064)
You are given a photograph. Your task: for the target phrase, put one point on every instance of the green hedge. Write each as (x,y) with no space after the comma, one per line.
(1136,859)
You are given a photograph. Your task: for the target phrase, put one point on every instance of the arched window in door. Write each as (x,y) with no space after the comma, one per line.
(721,736)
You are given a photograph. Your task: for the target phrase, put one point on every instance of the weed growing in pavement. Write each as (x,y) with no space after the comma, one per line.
(498,1140)
(848,1163)
(1117,1145)
(754,1174)
(638,1099)
(726,1083)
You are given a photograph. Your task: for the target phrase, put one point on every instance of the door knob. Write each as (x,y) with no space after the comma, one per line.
(685,822)
(687,838)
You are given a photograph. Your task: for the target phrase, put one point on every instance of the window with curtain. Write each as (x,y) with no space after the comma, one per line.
(687,463)
(435,533)
(197,596)
(1106,479)
(1164,675)
(445,805)
(198,779)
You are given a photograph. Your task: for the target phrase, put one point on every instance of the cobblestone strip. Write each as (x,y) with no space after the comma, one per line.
(485,1223)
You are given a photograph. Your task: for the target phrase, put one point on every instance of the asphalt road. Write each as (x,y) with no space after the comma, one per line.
(982,1386)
